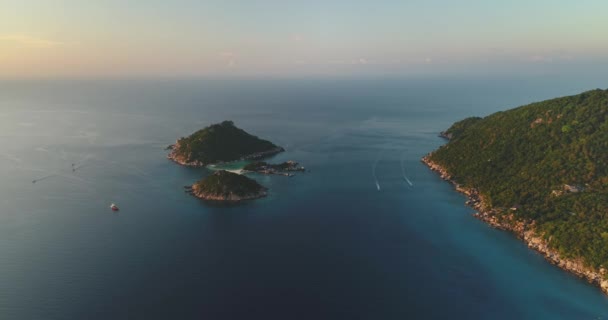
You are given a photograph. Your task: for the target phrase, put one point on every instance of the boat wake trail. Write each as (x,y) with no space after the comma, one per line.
(374,175)
(75,166)
(374,165)
(45,177)
(82,162)
(59,173)
(403,173)
(409,182)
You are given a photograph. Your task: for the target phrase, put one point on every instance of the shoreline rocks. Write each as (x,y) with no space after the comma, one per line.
(220,143)
(231,197)
(197,163)
(282,169)
(521,229)
(445,135)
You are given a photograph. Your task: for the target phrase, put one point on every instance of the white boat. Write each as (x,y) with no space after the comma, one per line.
(114,207)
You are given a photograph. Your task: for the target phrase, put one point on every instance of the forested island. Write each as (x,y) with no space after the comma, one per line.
(220,143)
(227,186)
(540,171)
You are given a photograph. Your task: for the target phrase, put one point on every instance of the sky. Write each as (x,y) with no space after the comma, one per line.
(75,38)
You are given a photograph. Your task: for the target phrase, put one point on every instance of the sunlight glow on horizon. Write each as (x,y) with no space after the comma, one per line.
(186,37)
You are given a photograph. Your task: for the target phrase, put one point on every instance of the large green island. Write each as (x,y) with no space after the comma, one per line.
(541,172)
(220,143)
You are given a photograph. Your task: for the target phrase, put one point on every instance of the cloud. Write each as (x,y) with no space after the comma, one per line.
(22,40)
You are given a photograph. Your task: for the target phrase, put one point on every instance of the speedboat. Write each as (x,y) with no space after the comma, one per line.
(114,207)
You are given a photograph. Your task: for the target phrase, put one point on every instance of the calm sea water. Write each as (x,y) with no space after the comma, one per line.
(351,239)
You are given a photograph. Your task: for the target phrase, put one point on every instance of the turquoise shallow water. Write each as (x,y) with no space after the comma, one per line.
(351,239)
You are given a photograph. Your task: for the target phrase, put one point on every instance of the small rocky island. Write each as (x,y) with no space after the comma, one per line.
(283,169)
(220,143)
(227,186)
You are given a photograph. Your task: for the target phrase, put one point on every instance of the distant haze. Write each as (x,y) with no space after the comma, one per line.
(66,38)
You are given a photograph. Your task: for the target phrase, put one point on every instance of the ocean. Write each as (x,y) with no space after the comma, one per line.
(367,233)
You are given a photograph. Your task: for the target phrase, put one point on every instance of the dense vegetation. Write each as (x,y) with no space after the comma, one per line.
(528,157)
(223,183)
(458,128)
(220,143)
(261,165)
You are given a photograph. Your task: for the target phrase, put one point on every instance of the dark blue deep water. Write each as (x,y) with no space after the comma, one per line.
(351,239)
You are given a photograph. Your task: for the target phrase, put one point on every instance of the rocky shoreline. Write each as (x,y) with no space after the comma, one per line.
(197,163)
(522,229)
(282,169)
(196,192)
